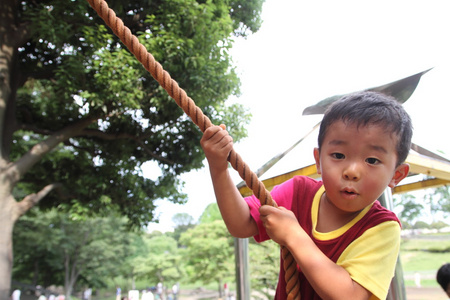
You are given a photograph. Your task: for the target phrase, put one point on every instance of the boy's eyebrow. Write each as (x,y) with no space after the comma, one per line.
(373,147)
(337,142)
(379,148)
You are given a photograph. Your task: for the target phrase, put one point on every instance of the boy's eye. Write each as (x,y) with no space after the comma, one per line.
(338,155)
(372,161)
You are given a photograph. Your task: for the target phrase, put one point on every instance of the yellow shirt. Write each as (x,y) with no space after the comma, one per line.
(372,267)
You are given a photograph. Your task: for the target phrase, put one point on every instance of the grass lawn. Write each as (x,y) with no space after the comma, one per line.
(424,255)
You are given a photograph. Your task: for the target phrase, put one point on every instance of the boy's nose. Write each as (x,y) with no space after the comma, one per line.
(352,172)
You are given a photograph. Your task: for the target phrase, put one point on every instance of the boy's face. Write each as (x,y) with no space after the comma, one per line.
(357,164)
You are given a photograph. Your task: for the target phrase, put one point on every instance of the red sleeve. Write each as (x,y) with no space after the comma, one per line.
(282,194)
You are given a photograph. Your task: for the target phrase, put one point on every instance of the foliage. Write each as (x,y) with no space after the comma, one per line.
(72,68)
(80,116)
(421,225)
(209,253)
(69,252)
(183,222)
(42,264)
(161,262)
(210,214)
(137,249)
(264,266)
(439,199)
(439,225)
(182,219)
(410,209)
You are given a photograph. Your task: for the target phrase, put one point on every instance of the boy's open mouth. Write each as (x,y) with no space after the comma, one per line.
(349,192)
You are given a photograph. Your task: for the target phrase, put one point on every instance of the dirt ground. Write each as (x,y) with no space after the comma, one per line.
(424,293)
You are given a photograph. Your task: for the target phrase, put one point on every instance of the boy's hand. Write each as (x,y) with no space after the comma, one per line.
(281,224)
(217,145)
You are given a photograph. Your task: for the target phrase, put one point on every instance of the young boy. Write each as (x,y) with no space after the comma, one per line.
(344,242)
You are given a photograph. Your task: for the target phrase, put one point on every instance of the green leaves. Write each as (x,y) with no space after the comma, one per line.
(90,249)
(209,252)
(161,261)
(74,68)
(101,250)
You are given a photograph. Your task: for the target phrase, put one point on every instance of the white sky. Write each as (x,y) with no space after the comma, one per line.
(306,51)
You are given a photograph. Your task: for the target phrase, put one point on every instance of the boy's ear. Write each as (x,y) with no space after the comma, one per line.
(317,158)
(400,173)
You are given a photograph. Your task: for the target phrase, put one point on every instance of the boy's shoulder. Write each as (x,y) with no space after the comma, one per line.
(381,213)
(299,182)
(305,180)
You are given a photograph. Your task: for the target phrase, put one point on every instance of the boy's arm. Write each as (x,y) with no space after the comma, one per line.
(328,279)
(217,145)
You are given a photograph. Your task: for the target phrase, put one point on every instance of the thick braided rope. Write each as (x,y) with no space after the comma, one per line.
(202,121)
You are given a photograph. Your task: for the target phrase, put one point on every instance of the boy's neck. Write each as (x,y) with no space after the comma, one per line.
(330,218)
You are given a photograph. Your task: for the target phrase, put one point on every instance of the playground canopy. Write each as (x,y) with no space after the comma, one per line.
(427,169)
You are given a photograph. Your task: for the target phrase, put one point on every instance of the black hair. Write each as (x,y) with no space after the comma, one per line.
(365,108)
(443,276)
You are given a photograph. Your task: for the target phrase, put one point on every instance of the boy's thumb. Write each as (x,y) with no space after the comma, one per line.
(223,126)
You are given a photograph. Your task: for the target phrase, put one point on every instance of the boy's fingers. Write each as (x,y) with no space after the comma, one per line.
(211,131)
(265,209)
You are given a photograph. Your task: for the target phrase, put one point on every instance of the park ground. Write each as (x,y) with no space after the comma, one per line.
(412,293)
(425,293)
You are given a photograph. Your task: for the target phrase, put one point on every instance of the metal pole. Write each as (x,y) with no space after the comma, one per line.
(242,273)
(397,288)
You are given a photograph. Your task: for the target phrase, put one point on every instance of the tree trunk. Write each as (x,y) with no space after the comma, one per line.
(71,273)
(13,34)
(10,35)
(7,221)
(220,289)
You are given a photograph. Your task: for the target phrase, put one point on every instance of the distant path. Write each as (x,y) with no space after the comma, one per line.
(425,293)
(198,294)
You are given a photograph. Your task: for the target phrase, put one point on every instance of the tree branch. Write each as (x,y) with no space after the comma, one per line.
(31,200)
(34,155)
(158,157)
(104,136)
(137,139)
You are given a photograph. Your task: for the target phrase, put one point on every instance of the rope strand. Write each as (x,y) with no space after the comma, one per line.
(200,119)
